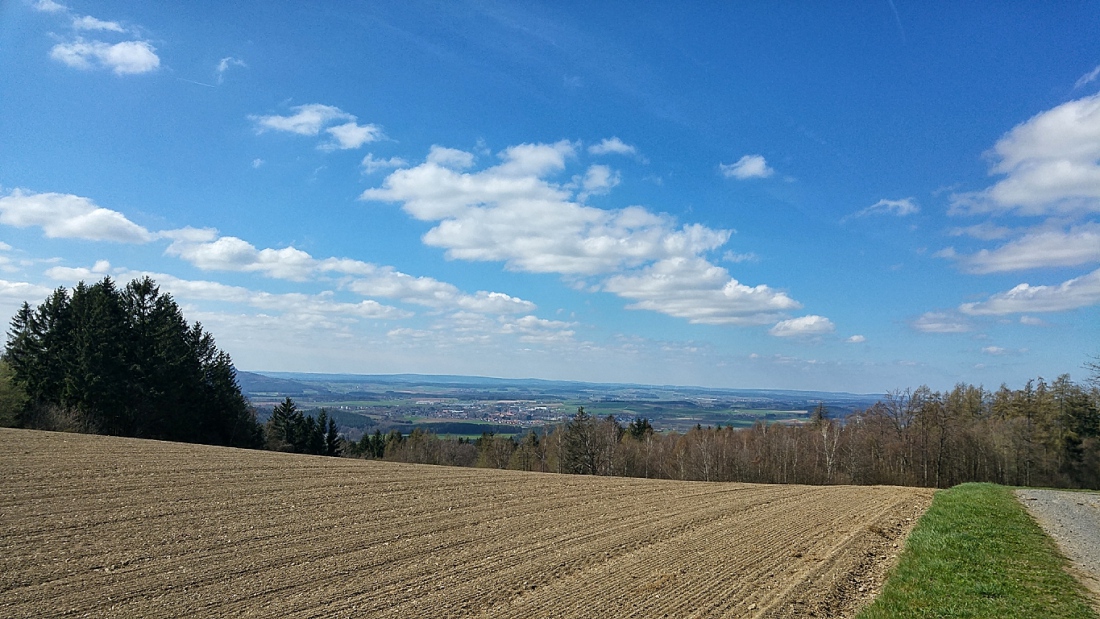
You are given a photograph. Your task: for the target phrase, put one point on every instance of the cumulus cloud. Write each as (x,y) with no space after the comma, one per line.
(1075,293)
(610,146)
(899,208)
(700,292)
(68,216)
(598,180)
(372,165)
(856,339)
(749,166)
(125,58)
(352,135)
(940,322)
(1050,165)
(1039,249)
(513,213)
(309,120)
(805,326)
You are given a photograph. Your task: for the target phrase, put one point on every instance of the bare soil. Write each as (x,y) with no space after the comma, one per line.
(110,527)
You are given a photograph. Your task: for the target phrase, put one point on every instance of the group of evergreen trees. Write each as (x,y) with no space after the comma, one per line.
(123,362)
(289,429)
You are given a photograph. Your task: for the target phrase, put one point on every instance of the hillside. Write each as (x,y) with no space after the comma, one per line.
(105,526)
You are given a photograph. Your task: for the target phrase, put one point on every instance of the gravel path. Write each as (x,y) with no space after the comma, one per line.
(1073,520)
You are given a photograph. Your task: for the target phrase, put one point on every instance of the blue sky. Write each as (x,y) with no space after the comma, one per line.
(759,195)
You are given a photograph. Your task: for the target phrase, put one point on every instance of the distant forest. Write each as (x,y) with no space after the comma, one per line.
(125,362)
(1046,434)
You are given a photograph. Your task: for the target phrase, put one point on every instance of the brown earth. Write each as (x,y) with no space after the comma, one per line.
(111,527)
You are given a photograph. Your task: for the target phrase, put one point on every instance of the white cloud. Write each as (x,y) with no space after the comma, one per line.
(23,291)
(49,6)
(1032,321)
(225,64)
(307,119)
(995,350)
(1044,248)
(451,158)
(295,304)
(749,166)
(984,231)
(1078,292)
(856,339)
(612,146)
(125,58)
(805,326)
(372,165)
(311,118)
(737,258)
(70,274)
(205,250)
(230,253)
(1087,78)
(1050,164)
(598,180)
(88,22)
(257,163)
(940,322)
(700,292)
(900,208)
(352,135)
(512,213)
(69,217)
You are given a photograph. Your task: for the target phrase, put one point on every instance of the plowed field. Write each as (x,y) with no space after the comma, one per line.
(111,527)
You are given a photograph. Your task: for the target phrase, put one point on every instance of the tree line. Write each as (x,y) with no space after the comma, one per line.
(1045,434)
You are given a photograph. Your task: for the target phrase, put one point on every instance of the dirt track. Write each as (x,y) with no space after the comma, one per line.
(101,526)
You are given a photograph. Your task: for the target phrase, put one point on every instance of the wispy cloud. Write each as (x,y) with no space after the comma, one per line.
(87,22)
(372,165)
(898,208)
(225,64)
(1087,78)
(941,322)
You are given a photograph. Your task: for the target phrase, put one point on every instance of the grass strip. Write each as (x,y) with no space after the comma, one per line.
(977,553)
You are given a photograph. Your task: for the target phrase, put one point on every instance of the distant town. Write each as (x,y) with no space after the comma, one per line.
(470,406)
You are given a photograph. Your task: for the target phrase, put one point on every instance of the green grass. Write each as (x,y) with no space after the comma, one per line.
(977,553)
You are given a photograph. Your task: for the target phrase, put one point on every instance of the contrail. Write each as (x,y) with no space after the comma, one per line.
(194,82)
(897,18)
